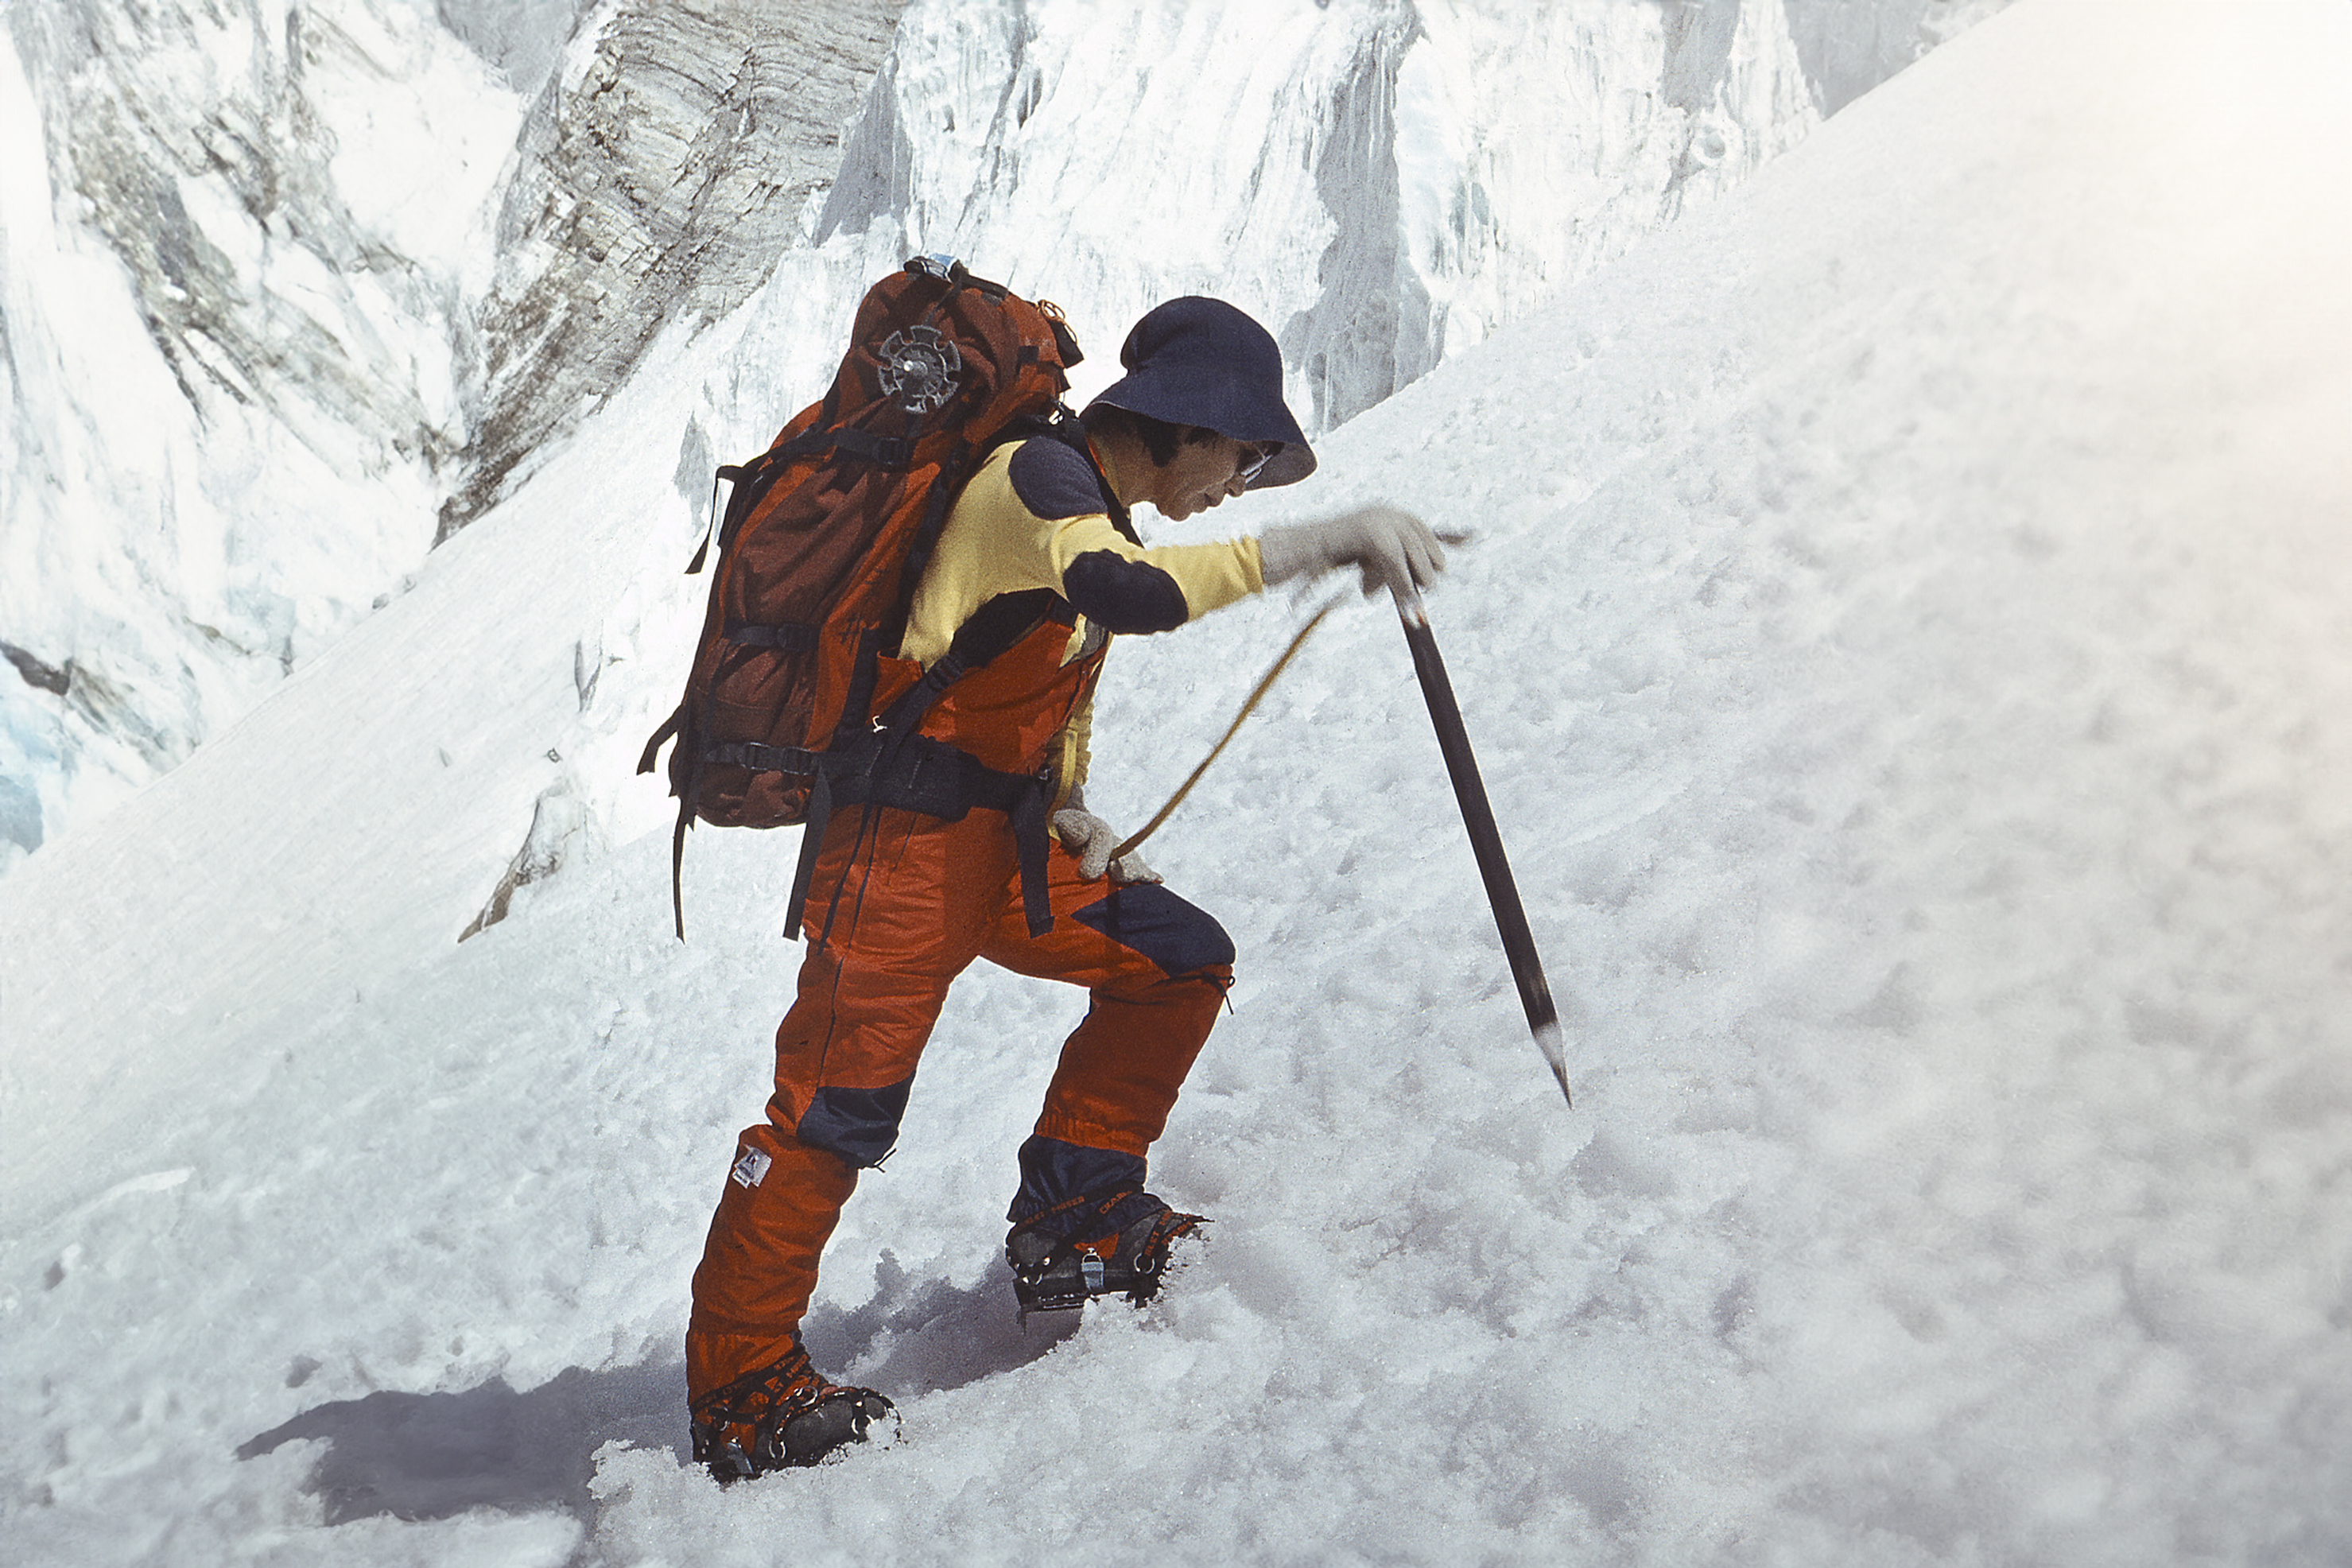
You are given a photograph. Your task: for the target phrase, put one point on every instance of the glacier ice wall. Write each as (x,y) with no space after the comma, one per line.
(521,39)
(1851,46)
(236,243)
(1381,181)
(271,311)
(658,176)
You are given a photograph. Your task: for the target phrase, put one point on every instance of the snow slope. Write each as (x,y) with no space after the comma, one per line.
(1905,642)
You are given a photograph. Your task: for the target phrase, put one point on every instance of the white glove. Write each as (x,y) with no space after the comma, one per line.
(1092,840)
(1392,549)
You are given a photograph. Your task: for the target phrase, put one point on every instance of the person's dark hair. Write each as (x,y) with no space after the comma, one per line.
(1160,440)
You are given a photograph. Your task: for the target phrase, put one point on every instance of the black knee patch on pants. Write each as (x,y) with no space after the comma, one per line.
(857,1126)
(1148,919)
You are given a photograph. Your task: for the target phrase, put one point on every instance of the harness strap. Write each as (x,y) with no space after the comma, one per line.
(763,758)
(677,866)
(1030,821)
(883,451)
(812,821)
(933,778)
(993,629)
(670,726)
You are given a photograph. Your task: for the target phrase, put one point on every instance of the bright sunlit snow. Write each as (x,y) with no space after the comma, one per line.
(1907,641)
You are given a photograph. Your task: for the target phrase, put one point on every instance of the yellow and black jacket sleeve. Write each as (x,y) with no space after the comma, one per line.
(1034,516)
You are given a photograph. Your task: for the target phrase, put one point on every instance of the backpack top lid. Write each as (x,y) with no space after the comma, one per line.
(1199,360)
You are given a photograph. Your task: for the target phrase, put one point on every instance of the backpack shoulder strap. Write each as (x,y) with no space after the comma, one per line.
(993,629)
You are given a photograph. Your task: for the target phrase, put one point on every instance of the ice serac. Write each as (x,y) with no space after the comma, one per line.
(272,317)
(1851,46)
(522,39)
(1532,149)
(1383,183)
(234,245)
(662,171)
(208,150)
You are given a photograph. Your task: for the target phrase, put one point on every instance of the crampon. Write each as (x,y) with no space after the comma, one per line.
(1112,1242)
(782,1417)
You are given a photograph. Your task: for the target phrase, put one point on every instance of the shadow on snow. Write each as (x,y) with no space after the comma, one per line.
(433,1455)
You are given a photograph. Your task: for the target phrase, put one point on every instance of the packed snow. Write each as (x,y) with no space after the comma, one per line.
(1906,641)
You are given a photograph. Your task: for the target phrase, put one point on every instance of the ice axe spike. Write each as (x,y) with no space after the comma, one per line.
(1486,839)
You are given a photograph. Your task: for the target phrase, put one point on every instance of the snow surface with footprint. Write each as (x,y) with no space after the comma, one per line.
(1908,640)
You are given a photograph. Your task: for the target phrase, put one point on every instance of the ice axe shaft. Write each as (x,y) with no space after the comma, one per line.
(1486,839)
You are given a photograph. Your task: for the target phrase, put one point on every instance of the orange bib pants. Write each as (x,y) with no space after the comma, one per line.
(900,904)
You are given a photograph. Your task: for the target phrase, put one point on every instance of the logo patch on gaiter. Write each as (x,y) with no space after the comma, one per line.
(750,1165)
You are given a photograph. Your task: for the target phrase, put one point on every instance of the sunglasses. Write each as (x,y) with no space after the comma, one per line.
(1253,461)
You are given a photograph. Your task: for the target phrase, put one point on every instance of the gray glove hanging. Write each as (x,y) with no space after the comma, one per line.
(1092,840)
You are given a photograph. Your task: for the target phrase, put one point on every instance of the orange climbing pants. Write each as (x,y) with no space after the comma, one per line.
(899,906)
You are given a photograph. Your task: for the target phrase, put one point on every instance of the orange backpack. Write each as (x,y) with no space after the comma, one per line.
(825,536)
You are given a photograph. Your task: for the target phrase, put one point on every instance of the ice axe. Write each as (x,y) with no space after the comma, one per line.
(1486,839)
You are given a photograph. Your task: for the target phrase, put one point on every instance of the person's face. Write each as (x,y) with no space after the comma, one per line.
(1201,475)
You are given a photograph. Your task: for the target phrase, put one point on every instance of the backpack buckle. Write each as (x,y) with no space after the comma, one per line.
(883,451)
(939,264)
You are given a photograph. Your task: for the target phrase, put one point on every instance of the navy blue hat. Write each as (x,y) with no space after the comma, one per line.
(1198,361)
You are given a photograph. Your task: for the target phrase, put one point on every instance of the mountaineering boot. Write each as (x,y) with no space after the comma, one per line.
(1105,1243)
(780,1417)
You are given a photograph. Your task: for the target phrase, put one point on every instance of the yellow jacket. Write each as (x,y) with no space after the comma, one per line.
(1033,517)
